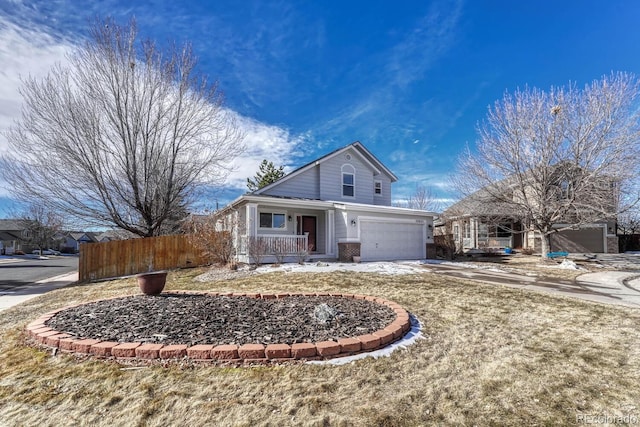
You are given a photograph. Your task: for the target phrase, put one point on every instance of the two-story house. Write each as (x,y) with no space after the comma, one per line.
(336,207)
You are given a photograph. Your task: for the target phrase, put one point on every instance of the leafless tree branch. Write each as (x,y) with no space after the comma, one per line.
(567,156)
(125,135)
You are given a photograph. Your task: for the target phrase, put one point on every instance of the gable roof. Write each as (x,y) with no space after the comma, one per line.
(11,225)
(366,155)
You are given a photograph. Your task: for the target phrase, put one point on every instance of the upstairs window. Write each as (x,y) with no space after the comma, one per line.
(272,220)
(348,181)
(377,188)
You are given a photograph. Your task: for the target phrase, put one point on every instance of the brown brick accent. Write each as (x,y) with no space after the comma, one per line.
(251,351)
(222,352)
(176,351)
(327,348)
(369,342)
(36,332)
(52,340)
(395,329)
(346,251)
(349,345)
(303,350)
(83,346)
(66,344)
(102,348)
(148,351)
(200,351)
(385,336)
(277,351)
(125,350)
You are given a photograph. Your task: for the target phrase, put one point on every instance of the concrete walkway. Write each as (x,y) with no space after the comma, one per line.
(18,295)
(610,287)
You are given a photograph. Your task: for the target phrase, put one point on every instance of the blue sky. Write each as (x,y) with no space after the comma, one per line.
(409,79)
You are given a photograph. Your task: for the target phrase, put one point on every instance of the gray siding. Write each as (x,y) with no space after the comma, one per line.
(331,179)
(324,182)
(385,198)
(305,185)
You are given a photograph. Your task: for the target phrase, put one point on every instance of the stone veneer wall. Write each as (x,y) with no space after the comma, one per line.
(346,251)
(612,245)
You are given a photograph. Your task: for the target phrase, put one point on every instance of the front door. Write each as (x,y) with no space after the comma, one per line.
(307,224)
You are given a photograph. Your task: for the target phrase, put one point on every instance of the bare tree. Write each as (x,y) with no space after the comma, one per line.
(42,227)
(628,229)
(424,198)
(125,135)
(568,156)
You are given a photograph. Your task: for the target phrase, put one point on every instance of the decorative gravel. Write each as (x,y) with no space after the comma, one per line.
(206,319)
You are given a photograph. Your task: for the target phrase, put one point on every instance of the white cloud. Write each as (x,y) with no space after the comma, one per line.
(263,141)
(27,51)
(23,52)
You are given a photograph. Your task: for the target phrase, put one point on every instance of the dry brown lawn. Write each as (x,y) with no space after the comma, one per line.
(491,356)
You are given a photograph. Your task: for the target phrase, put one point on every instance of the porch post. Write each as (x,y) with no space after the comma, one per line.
(330,231)
(252,222)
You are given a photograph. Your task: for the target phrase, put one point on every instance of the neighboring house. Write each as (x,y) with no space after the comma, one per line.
(476,223)
(72,240)
(12,237)
(110,235)
(336,207)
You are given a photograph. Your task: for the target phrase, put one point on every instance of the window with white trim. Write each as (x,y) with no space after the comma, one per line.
(377,188)
(273,220)
(348,181)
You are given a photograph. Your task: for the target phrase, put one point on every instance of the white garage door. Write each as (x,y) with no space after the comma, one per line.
(381,240)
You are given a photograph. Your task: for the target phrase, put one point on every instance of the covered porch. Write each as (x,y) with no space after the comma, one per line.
(286,231)
(487,235)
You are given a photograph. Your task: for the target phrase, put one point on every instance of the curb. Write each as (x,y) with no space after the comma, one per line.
(227,354)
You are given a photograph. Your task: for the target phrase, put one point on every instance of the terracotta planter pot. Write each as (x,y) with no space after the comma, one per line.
(152,283)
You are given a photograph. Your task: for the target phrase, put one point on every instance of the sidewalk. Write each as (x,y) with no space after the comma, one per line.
(609,287)
(16,296)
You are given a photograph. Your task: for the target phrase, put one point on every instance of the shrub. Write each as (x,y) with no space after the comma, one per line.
(256,249)
(215,245)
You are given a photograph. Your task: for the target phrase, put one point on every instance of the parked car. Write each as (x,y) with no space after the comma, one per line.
(46,252)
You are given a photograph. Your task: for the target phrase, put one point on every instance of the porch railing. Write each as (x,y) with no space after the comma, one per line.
(494,242)
(286,245)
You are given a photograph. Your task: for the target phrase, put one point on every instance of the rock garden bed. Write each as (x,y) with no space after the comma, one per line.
(230,328)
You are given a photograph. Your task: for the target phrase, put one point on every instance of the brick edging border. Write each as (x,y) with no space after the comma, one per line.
(226,353)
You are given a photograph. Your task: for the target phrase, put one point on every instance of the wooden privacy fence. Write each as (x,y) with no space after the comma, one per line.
(126,257)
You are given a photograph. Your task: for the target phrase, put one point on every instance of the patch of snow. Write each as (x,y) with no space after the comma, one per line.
(566,264)
(381,267)
(410,338)
(488,266)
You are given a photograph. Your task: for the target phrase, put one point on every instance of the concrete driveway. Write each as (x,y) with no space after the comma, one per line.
(610,287)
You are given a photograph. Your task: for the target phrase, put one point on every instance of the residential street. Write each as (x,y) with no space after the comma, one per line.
(18,272)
